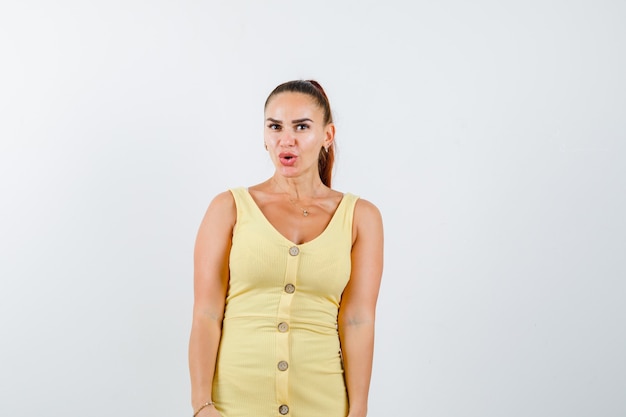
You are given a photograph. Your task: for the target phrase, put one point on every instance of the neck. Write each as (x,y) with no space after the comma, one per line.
(298,188)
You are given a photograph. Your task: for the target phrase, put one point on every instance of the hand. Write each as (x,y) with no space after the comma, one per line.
(209,411)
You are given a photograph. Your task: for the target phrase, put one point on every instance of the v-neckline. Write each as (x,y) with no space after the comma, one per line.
(271,226)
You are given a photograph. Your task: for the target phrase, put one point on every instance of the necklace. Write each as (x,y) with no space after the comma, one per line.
(305,212)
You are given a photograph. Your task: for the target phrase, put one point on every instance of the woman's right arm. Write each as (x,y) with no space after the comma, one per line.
(211,274)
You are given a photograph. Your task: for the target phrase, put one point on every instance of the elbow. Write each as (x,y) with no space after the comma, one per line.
(356,319)
(203,317)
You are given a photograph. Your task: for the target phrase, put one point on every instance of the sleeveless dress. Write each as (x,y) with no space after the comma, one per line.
(279,354)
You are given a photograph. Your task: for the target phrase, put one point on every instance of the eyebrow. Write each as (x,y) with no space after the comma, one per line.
(269,119)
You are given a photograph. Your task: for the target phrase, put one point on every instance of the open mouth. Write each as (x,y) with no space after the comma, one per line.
(287,158)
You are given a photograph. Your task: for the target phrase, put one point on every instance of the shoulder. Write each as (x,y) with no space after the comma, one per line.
(222,209)
(223,201)
(365,210)
(367,221)
(215,232)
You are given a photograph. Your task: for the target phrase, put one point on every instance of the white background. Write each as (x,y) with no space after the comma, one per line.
(491,134)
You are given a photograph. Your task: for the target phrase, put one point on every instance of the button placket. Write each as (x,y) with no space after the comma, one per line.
(283,328)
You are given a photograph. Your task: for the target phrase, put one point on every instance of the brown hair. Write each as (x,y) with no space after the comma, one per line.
(313,89)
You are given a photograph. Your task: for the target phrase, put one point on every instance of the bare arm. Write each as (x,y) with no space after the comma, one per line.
(358,305)
(211,274)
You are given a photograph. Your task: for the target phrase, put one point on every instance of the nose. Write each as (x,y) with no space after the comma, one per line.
(287,139)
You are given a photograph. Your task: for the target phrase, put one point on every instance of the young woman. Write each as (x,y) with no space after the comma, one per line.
(287,274)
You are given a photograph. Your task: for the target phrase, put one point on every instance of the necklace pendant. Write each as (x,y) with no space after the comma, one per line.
(305,212)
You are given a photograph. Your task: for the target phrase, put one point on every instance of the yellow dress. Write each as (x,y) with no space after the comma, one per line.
(279,354)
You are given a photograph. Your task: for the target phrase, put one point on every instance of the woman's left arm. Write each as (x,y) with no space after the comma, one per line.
(358,305)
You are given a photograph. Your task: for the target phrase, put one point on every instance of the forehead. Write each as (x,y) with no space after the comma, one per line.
(289,103)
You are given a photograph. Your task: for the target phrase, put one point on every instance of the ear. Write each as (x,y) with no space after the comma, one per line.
(329,134)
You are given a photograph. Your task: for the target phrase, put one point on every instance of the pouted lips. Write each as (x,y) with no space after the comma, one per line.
(287,159)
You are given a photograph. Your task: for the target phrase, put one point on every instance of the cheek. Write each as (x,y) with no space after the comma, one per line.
(269,137)
(315,139)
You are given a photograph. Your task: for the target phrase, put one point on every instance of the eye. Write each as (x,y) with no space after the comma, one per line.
(273,126)
(302,126)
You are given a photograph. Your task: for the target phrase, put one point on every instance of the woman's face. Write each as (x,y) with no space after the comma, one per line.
(295,133)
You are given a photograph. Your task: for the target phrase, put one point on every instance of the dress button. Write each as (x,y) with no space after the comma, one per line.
(283,409)
(283,365)
(283,327)
(290,288)
(294,251)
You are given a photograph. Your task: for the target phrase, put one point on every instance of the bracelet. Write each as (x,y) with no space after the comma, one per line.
(208,403)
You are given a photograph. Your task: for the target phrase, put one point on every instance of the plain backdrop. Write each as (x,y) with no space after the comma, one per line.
(491,135)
